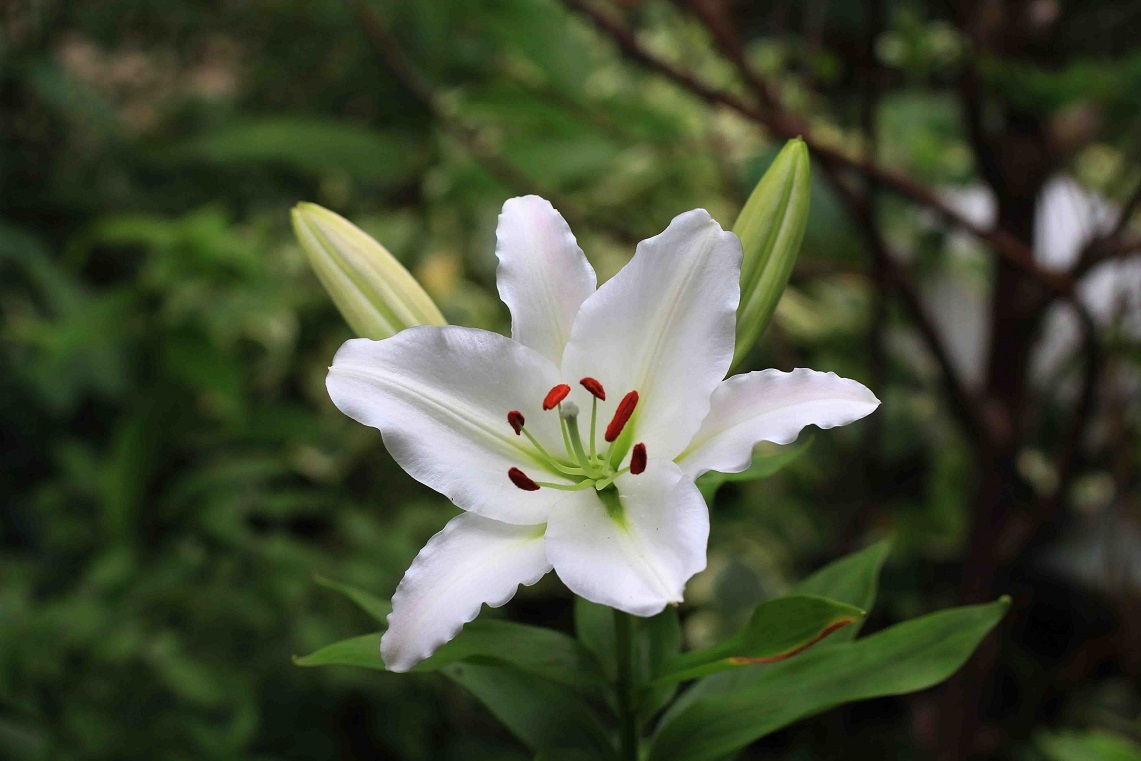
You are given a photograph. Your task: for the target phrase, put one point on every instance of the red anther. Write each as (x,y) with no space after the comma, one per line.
(594,387)
(515,418)
(520,479)
(556,395)
(638,459)
(621,416)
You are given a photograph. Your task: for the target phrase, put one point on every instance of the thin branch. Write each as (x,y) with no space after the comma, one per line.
(786,126)
(1114,243)
(886,272)
(711,13)
(1065,464)
(413,79)
(964,404)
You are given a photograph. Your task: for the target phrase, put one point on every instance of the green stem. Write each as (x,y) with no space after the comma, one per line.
(627,711)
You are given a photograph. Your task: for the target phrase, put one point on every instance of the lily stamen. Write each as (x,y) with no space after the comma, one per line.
(555,396)
(599,393)
(522,480)
(518,423)
(638,459)
(594,387)
(621,416)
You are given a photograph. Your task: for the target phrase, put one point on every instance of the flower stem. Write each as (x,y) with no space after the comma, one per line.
(624,685)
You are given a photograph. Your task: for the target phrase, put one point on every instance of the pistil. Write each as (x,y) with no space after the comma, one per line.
(568,412)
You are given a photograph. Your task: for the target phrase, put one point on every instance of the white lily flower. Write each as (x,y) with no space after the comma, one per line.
(606,496)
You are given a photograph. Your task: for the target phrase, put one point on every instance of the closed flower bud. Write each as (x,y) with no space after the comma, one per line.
(771,227)
(375,294)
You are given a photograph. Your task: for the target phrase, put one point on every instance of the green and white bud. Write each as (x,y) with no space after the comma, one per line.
(375,294)
(771,227)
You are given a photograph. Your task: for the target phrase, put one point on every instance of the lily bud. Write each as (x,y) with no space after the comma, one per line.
(375,294)
(771,227)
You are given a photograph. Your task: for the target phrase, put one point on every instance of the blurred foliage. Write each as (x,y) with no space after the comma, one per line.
(174,472)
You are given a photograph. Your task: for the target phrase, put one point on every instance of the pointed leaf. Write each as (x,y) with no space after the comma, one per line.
(366,601)
(534,650)
(362,652)
(725,712)
(545,716)
(778,629)
(853,579)
(764,465)
(594,627)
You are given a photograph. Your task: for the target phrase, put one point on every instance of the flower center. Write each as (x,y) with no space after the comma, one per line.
(583,465)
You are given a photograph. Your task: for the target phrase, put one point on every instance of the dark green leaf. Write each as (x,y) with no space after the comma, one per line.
(543,652)
(778,629)
(366,601)
(363,652)
(1068,745)
(315,146)
(764,465)
(725,712)
(545,716)
(852,579)
(594,627)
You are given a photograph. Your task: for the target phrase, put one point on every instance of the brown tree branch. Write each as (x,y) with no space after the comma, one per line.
(1115,243)
(886,272)
(786,126)
(413,79)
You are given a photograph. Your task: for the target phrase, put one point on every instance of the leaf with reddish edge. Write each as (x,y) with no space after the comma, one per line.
(778,629)
(723,713)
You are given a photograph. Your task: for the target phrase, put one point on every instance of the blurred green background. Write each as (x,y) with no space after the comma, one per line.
(174,473)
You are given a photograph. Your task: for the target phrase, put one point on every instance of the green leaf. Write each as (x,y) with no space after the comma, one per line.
(778,629)
(594,627)
(547,717)
(771,227)
(530,649)
(725,712)
(763,466)
(311,145)
(366,601)
(362,652)
(534,650)
(853,579)
(1070,745)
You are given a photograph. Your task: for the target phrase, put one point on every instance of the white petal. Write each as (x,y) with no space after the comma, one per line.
(641,562)
(440,397)
(472,561)
(543,275)
(770,405)
(663,326)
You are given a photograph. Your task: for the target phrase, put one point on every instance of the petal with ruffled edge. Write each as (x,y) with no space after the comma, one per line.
(663,326)
(440,397)
(543,276)
(636,558)
(472,561)
(770,405)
